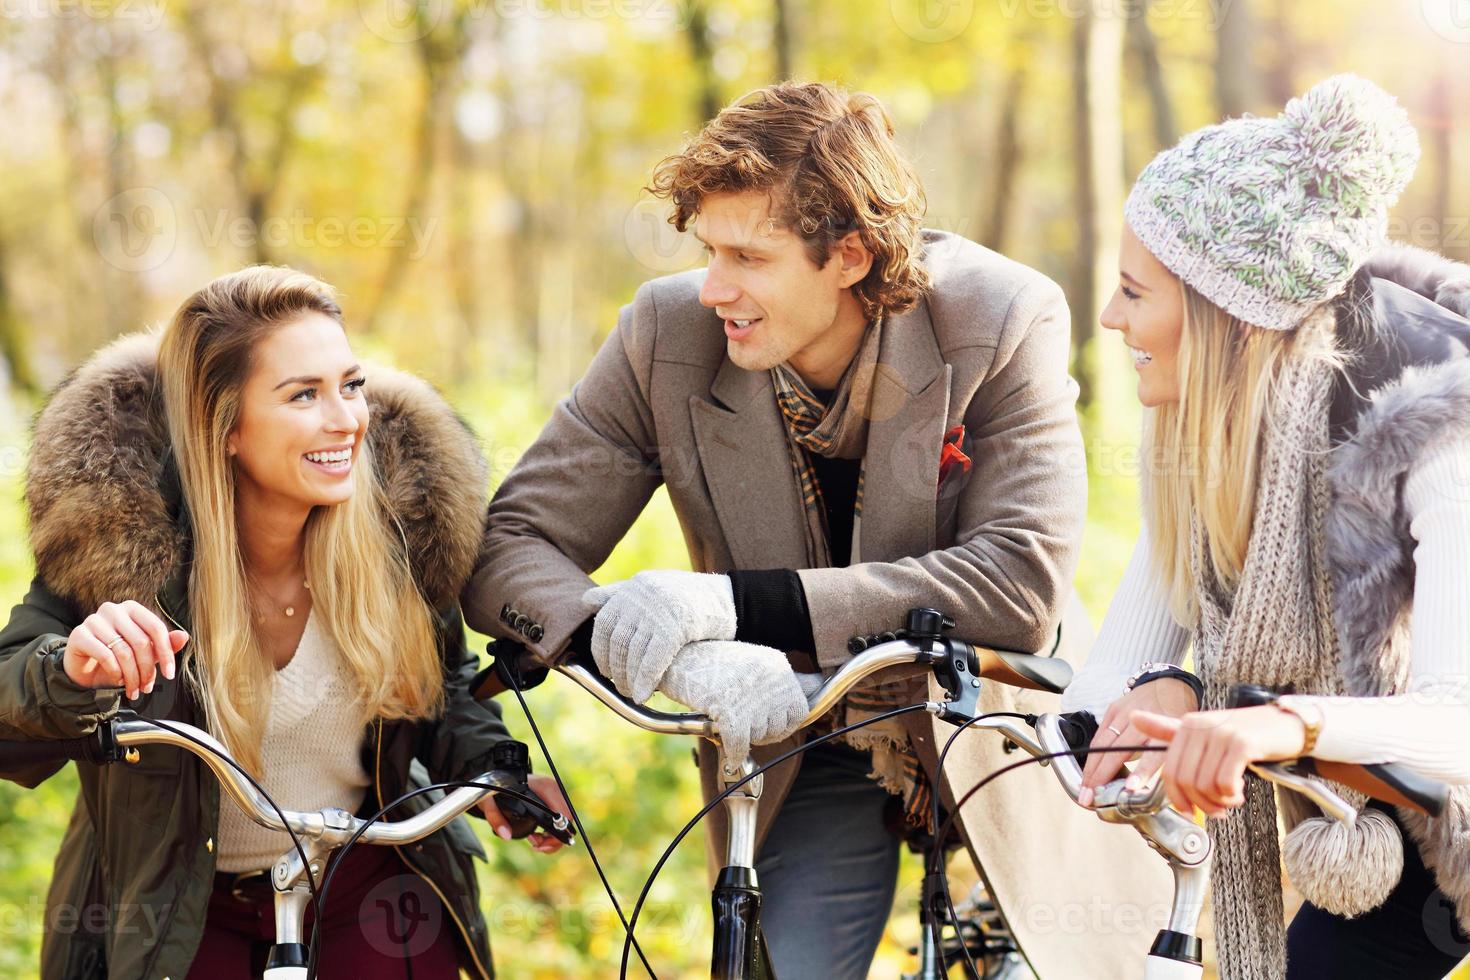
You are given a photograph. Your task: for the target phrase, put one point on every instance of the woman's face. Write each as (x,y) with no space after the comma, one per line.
(303,416)
(1148,309)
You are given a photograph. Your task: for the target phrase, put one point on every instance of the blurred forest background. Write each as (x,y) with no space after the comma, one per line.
(468,173)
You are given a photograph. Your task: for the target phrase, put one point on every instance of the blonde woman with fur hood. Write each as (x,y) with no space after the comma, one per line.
(237,526)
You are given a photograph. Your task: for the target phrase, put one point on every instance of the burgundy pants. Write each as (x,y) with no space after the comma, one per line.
(381,921)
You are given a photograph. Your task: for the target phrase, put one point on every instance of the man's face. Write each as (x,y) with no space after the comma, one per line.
(775,303)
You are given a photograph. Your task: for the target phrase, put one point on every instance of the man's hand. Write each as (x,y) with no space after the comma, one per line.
(749,690)
(644,621)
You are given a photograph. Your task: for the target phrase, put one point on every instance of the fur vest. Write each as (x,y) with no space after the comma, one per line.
(1406,392)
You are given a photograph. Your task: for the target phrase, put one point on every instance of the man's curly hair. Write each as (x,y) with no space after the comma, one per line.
(829,160)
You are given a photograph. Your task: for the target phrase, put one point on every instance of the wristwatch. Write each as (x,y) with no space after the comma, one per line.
(1308,713)
(1158,671)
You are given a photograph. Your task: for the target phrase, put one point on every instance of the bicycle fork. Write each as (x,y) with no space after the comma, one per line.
(739,951)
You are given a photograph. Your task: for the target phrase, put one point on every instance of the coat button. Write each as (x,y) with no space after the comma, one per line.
(535,633)
(857,644)
(506,612)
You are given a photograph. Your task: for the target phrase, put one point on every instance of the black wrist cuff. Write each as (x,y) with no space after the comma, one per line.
(1179,674)
(771,609)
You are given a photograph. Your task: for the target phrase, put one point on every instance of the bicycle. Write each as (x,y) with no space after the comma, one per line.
(315,834)
(738,949)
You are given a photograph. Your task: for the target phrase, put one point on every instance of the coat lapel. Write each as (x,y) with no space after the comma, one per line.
(905,434)
(747,466)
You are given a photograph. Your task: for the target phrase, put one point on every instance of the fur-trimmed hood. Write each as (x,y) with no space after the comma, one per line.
(104,504)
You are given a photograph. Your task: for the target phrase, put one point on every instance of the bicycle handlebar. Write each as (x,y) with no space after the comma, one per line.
(118,740)
(956,663)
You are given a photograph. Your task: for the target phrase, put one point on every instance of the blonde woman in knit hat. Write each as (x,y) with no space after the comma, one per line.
(1306,525)
(237,525)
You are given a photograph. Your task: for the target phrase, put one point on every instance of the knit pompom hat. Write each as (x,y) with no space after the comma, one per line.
(1269,218)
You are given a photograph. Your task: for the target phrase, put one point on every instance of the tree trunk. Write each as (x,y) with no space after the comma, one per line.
(13,347)
(997,219)
(1281,76)
(439,51)
(1097,55)
(702,51)
(255,186)
(782,39)
(1235,77)
(1438,150)
(1145,48)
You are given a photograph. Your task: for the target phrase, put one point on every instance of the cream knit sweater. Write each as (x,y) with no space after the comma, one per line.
(311,751)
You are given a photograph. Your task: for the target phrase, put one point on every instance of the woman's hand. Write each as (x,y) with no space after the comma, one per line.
(1166,696)
(1208,751)
(545,788)
(122,645)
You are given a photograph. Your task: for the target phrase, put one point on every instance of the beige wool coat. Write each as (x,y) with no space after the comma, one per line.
(995,548)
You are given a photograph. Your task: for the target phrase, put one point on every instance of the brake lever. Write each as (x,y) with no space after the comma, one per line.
(511,769)
(524,819)
(1318,792)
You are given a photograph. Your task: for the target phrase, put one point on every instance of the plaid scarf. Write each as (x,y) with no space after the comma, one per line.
(840,431)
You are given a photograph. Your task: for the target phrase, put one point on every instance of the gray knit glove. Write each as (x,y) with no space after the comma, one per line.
(644,621)
(749,690)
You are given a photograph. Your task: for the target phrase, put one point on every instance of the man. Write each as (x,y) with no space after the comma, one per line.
(853,418)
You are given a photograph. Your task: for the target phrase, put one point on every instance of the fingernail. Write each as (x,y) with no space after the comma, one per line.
(1131,783)
(149,688)
(504,832)
(168,671)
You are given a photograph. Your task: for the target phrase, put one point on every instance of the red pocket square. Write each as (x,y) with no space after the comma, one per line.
(951,456)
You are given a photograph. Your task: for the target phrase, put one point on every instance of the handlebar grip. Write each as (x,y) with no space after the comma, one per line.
(511,661)
(1390,782)
(1024,670)
(19,755)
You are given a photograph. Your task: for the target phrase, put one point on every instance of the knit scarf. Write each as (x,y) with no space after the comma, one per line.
(1275,628)
(840,431)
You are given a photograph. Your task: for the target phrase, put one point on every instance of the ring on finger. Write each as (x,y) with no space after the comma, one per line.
(115,641)
(1115,731)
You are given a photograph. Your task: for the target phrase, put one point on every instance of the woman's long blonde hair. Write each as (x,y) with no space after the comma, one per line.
(1203,452)
(363,590)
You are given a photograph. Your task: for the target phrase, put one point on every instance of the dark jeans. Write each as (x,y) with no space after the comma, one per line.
(1413,935)
(828,869)
(381,922)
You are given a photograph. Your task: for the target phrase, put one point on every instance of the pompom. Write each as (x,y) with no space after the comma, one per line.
(1345,870)
(1358,148)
